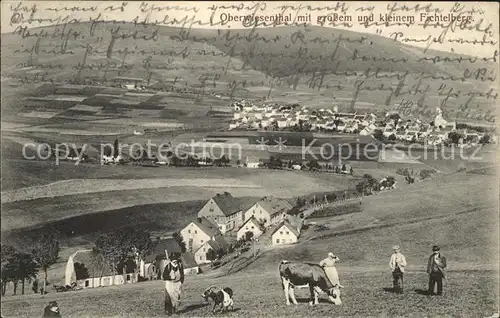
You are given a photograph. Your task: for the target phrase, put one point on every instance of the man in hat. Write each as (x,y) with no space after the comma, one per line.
(173,275)
(52,310)
(397,264)
(436,269)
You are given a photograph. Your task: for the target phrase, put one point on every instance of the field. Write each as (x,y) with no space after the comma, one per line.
(454,211)
(48,192)
(467,294)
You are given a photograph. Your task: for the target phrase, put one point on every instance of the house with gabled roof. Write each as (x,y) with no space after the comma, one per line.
(268,210)
(225,211)
(285,233)
(197,232)
(218,245)
(250,225)
(89,269)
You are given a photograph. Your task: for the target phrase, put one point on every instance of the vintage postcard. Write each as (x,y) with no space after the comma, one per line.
(249,159)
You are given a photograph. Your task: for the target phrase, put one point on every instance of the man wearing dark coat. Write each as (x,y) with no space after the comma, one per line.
(436,266)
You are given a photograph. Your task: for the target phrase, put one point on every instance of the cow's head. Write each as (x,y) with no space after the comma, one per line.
(334,295)
(207,293)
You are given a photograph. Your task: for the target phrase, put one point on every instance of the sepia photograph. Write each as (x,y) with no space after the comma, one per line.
(250,159)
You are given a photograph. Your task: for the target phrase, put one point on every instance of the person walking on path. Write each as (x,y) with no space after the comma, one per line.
(436,266)
(397,264)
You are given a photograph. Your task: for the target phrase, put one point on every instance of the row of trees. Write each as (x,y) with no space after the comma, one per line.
(369,185)
(20,266)
(118,250)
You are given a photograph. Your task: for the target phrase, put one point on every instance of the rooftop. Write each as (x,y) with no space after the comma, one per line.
(230,205)
(169,245)
(289,226)
(274,205)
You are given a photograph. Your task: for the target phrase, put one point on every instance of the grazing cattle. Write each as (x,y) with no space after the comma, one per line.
(295,274)
(221,297)
(52,310)
(173,275)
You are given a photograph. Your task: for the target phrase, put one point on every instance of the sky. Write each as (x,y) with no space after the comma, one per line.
(486,11)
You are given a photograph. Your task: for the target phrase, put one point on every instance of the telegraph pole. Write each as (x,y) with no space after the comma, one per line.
(254,240)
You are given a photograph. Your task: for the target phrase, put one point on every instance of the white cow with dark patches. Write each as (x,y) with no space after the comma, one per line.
(301,275)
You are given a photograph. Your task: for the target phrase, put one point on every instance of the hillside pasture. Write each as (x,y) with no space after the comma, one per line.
(467,294)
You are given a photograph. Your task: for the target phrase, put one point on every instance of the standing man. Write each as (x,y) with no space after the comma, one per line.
(173,275)
(397,264)
(436,269)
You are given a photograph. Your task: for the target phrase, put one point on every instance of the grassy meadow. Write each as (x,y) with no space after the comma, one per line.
(466,294)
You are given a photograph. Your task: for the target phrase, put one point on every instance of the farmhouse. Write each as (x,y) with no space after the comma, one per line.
(252,162)
(268,210)
(223,210)
(198,232)
(88,270)
(211,249)
(285,233)
(251,225)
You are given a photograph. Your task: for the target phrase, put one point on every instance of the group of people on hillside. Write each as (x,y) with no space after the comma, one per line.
(436,266)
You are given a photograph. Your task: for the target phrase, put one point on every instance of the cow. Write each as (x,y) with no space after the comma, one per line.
(301,275)
(222,297)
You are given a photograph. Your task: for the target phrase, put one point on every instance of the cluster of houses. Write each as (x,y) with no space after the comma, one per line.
(274,116)
(225,219)
(221,222)
(282,117)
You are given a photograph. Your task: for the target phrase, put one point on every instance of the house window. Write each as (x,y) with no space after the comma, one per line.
(253,227)
(211,209)
(204,249)
(128,278)
(87,283)
(195,232)
(277,241)
(281,232)
(287,232)
(202,241)
(189,231)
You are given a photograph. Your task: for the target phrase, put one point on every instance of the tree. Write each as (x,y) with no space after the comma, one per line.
(46,253)
(248,236)
(119,245)
(454,137)
(486,139)
(27,268)
(115,148)
(314,165)
(300,202)
(179,239)
(81,271)
(211,255)
(35,286)
(7,256)
(379,135)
